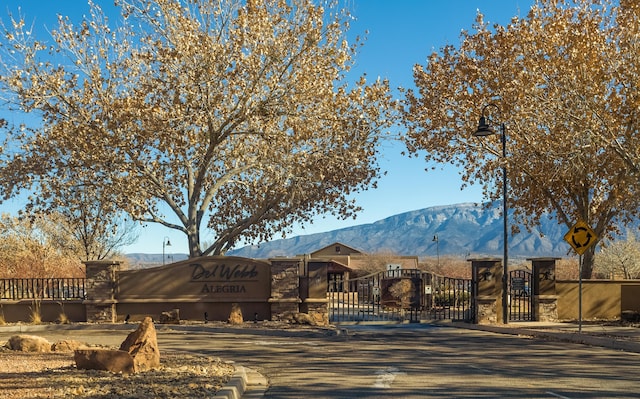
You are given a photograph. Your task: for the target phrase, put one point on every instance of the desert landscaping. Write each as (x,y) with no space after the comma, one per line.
(31,367)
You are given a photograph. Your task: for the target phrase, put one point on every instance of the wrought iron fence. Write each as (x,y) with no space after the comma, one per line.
(42,288)
(521,296)
(399,295)
(452,298)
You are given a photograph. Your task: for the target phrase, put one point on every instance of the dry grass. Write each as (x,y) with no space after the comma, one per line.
(35,317)
(63,319)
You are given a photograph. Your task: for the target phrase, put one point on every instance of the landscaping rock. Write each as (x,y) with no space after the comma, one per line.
(116,361)
(28,343)
(299,318)
(142,345)
(170,317)
(67,345)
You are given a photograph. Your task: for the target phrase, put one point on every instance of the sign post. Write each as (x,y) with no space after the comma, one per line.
(580,237)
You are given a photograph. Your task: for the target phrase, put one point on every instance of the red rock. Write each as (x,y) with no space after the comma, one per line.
(115,361)
(142,345)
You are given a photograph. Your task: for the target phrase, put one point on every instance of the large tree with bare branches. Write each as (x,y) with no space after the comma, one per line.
(564,80)
(234,116)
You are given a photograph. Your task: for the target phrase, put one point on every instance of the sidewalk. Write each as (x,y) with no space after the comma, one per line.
(624,338)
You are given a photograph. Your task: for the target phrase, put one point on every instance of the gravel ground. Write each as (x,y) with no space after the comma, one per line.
(54,375)
(184,376)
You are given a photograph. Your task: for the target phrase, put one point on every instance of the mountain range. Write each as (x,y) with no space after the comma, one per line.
(467,230)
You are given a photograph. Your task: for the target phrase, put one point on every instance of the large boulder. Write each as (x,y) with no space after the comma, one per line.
(28,343)
(142,345)
(115,361)
(138,352)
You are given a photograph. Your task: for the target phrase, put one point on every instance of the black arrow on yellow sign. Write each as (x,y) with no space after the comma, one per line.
(577,231)
(580,237)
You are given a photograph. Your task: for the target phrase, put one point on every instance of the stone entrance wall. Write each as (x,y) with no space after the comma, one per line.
(201,289)
(487,275)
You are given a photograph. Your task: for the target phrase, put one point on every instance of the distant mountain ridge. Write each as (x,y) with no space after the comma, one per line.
(467,229)
(142,260)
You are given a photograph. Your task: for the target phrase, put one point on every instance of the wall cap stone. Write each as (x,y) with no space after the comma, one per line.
(100,302)
(284,300)
(316,300)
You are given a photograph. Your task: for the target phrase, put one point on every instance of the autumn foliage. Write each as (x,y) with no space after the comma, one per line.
(231,117)
(28,248)
(563,80)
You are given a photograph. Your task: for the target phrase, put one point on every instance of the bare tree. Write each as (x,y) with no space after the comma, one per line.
(234,116)
(93,229)
(562,80)
(28,249)
(619,258)
(402,291)
(373,263)
(449,266)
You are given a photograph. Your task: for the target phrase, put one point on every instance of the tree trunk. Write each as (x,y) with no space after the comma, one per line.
(587,263)
(194,244)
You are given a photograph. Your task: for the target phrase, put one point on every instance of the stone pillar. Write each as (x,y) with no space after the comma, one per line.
(101,287)
(285,287)
(313,293)
(545,299)
(487,295)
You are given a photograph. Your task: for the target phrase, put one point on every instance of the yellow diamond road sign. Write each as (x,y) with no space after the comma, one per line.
(580,237)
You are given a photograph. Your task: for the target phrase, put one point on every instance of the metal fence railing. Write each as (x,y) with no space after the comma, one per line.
(399,295)
(42,288)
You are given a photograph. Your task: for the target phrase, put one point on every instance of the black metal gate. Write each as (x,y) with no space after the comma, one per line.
(521,296)
(399,295)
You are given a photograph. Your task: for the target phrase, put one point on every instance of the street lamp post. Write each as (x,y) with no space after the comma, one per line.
(437,241)
(165,243)
(484,129)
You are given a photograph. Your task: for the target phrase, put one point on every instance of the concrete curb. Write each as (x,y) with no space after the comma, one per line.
(244,384)
(236,386)
(311,332)
(558,336)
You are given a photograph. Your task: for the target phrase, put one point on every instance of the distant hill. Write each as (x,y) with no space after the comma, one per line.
(141,261)
(466,229)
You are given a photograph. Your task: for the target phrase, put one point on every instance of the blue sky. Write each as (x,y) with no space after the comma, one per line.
(401,33)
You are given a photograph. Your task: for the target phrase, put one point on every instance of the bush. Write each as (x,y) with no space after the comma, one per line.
(451,298)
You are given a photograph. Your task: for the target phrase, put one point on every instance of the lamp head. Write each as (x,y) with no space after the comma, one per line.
(484,129)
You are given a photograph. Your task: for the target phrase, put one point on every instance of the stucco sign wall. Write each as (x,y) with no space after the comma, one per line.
(224,278)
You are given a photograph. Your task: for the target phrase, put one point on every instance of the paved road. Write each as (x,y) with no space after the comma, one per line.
(428,362)
(410,362)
